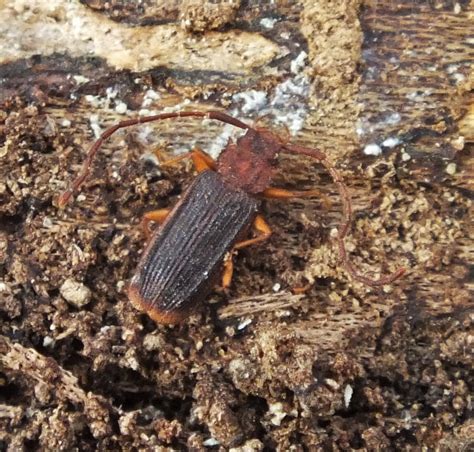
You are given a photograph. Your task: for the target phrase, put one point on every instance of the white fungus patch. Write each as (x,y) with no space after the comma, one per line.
(372,149)
(289,103)
(109,102)
(298,64)
(393,118)
(419,95)
(95,101)
(452,68)
(348,391)
(210,442)
(276,410)
(120,285)
(145,134)
(391,142)
(47,222)
(48,341)
(111,93)
(244,324)
(252,100)
(413,96)
(459,78)
(150,97)
(406,157)
(146,112)
(104,102)
(268,22)
(174,108)
(332,383)
(94,124)
(121,108)
(286,106)
(80,79)
(458,143)
(451,169)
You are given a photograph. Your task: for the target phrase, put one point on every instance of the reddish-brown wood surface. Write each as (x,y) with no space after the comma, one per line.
(385,88)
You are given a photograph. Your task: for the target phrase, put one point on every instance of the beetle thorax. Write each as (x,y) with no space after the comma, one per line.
(248,164)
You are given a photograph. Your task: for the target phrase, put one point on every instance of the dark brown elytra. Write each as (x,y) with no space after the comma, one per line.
(184,256)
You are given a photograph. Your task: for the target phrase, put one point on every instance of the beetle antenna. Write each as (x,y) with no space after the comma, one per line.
(347,212)
(64,198)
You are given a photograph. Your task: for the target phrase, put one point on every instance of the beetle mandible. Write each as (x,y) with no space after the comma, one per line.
(185,255)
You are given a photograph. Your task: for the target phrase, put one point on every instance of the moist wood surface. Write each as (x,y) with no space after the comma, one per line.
(340,367)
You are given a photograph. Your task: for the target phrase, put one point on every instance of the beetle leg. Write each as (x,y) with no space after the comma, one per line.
(154,216)
(202,161)
(301,289)
(282,193)
(228,271)
(261,226)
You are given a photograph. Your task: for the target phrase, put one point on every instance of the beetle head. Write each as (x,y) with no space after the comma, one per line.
(248,164)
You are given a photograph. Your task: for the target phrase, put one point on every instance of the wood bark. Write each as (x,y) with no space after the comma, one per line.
(384,88)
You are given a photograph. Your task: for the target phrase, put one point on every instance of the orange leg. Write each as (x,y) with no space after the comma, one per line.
(228,270)
(202,161)
(154,216)
(261,226)
(281,193)
(301,289)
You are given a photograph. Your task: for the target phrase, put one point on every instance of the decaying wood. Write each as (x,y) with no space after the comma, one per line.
(385,88)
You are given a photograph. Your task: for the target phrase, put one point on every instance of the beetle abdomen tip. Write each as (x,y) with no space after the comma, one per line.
(166,317)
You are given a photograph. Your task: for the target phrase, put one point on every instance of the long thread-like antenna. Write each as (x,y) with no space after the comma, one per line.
(64,198)
(347,212)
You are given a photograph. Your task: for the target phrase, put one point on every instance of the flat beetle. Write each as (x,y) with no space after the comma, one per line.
(185,255)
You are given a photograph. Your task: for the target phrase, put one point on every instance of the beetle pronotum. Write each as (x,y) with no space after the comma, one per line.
(185,255)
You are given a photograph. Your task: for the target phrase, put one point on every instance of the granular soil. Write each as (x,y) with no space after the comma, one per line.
(338,367)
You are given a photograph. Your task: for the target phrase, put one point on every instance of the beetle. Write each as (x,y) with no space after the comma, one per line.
(185,255)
